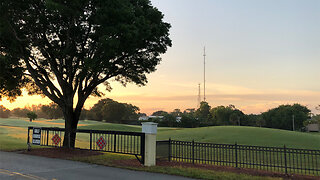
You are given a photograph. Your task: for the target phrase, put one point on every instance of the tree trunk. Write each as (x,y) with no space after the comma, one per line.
(71,123)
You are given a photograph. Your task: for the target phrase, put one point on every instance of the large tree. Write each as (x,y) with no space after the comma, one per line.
(65,49)
(113,111)
(284,116)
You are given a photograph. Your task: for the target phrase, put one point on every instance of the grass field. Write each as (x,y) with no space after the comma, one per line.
(13,135)
(109,159)
(246,136)
(216,134)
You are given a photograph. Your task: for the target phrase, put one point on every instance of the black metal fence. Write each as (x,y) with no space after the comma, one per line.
(285,160)
(122,142)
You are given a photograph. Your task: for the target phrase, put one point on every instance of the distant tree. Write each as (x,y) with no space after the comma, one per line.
(234,119)
(84,114)
(189,121)
(160,113)
(313,120)
(113,111)
(52,111)
(4,112)
(190,110)
(282,116)
(32,116)
(19,112)
(221,115)
(168,120)
(142,114)
(203,113)
(253,120)
(95,112)
(176,112)
(227,115)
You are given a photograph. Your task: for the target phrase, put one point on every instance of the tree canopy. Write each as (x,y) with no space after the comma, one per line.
(65,49)
(52,111)
(32,116)
(283,116)
(4,112)
(113,111)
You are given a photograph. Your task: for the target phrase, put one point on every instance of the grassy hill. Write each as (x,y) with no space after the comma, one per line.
(246,136)
(229,135)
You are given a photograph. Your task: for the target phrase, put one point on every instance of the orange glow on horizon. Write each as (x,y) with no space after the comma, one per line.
(249,103)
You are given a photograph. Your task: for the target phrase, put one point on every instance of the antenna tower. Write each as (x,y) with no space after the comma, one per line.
(199,96)
(204,74)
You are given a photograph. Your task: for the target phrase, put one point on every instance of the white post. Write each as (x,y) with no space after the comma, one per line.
(150,129)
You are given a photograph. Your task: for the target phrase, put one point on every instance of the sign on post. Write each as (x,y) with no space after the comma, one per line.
(36,136)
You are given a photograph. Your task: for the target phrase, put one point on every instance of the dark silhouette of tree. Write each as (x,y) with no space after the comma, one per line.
(160,113)
(32,116)
(19,112)
(176,112)
(113,111)
(203,113)
(282,116)
(188,120)
(65,49)
(4,112)
(52,111)
(227,115)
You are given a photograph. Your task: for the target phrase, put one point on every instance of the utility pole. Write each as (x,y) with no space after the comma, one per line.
(204,74)
(293,122)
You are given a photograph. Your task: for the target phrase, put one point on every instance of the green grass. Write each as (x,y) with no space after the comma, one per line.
(245,136)
(123,127)
(8,143)
(113,127)
(15,138)
(109,159)
(216,134)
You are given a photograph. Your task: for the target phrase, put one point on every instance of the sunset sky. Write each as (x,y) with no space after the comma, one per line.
(259,54)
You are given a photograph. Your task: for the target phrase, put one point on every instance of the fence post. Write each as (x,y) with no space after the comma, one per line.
(192,151)
(285,159)
(28,140)
(69,141)
(115,142)
(90,140)
(169,150)
(47,137)
(142,148)
(236,148)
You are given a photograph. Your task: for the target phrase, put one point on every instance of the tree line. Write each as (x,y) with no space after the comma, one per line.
(50,111)
(281,117)
(108,110)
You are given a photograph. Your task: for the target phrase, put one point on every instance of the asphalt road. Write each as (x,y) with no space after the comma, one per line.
(19,166)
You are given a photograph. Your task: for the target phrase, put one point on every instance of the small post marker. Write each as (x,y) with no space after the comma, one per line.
(150,130)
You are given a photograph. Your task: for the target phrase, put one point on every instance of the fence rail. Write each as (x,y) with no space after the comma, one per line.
(122,142)
(286,160)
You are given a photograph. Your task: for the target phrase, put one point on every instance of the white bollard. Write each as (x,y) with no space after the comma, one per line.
(150,130)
